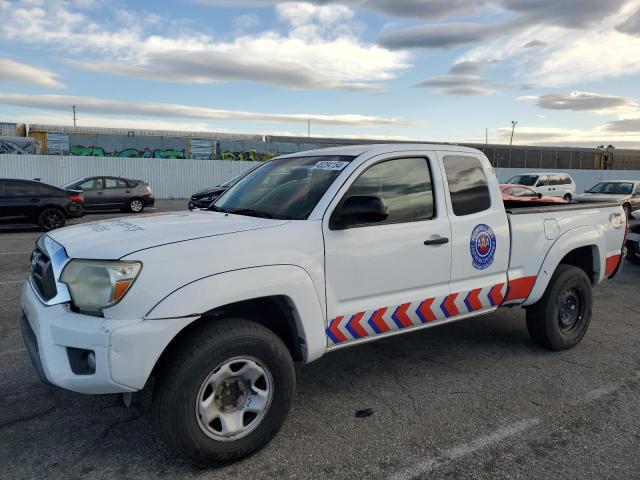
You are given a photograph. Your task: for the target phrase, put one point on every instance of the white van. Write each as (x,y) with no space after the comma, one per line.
(548,184)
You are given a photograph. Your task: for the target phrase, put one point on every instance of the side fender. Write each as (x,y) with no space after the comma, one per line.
(588,236)
(215,291)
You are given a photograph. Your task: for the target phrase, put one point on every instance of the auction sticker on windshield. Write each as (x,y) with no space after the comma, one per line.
(330,165)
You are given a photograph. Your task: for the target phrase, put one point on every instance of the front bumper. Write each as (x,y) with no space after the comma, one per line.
(125,350)
(148,200)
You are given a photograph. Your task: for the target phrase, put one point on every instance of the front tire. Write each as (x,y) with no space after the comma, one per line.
(136,205)
(51,218)
(627,209)
(224,392)
(560,319)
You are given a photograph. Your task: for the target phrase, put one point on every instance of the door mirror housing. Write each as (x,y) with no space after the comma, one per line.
(359,210)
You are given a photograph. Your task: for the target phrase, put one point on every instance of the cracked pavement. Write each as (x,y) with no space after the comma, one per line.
(468,400)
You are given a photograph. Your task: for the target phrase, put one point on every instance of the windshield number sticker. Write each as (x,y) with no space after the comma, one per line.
(330,165)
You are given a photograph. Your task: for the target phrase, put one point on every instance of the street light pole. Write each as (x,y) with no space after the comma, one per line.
(513,128)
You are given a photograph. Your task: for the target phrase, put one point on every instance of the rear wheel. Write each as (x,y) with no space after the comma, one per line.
(51,218)
(567,197)
(560,319)
(136,205)
(633,257)
(225,392)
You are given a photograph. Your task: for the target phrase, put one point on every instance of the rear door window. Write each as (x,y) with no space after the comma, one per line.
(468,185)
(543,181)
(13,188)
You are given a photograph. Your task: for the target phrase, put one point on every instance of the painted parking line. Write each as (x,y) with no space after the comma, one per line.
(12,282)
(20,252)
(454,453)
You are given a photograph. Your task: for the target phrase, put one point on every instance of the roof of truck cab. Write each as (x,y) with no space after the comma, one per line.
(377,149)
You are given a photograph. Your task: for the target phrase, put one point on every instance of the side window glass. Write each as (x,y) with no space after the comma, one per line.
(93,184)
(405,186)
(110,183)
(18,189)
(121,183)
(543,181)
(566,180)
(468,185)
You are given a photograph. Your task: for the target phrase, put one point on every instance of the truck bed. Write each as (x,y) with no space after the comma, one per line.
(560,207)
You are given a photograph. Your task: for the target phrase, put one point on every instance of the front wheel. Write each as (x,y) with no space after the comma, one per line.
(627,209)
(224,392)
(560,319)
(136,205)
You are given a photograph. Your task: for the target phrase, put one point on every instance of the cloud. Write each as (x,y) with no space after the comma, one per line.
(245,22)
(397,8)
(534,44)
(320,49)
(458,84)
(16,72)
(464,78)
(631,25)
(584,101)
(447,35)
(602,134)
(627,125)
(566,13)
(595,53)
(118,107)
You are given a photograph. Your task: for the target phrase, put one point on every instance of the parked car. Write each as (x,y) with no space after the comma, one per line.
(633,239)
(309,253)
(35,203)
(111,193)
(519,195)
(626,192)
(204,198)
(550,184)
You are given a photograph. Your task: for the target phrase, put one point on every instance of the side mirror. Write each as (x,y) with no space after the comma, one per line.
(359,210)
(539,195)
(637,194)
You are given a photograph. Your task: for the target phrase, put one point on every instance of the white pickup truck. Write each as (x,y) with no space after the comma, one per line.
(306,254)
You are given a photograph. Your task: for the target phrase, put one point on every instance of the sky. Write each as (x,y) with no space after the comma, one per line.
(568,71)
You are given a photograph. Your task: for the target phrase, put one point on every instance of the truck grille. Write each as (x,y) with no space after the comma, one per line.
(42,276)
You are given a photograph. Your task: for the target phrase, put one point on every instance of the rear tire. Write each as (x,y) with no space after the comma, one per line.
(51,218)
(633,257)
(206,408)
(560,319)
(567,197)
(136,205)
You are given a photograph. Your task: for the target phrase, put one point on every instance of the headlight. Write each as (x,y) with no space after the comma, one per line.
(98,284)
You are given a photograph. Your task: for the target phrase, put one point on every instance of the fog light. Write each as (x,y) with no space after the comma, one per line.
(91,361)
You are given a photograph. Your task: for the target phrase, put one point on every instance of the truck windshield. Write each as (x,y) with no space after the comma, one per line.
(528,180)
(613,188)
(286,188)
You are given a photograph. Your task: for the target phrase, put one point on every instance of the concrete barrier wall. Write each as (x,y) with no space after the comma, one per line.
(175,178)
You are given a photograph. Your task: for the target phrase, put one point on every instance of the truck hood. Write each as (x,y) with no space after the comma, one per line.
(117,237)
(599,197)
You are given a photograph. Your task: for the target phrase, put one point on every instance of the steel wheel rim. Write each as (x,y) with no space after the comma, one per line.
(234,399)
(136,205)
(52,220)
(571,307)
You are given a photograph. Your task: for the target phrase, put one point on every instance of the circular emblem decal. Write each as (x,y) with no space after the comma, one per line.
(482,246)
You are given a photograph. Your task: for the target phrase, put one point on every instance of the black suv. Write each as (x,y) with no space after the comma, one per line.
(34,203)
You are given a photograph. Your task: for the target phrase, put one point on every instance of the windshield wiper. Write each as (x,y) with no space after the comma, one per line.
(215,208)
(249,212)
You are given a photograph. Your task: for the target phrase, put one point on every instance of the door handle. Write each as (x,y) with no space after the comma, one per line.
(437,241)
(35,200)
(100,193)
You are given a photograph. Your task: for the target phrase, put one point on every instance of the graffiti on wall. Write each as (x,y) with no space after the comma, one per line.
(17,145)
(95,151)
(127,146)
(250,156)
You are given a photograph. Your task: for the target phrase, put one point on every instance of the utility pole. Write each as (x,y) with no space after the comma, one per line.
(309,128)
(74,115)
(486,137)
(513,128)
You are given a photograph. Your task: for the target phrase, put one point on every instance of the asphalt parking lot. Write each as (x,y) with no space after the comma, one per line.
(474,399)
